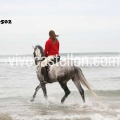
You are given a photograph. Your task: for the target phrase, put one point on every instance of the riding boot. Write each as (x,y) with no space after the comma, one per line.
(44,72)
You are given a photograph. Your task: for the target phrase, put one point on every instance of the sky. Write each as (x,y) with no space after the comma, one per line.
(82,25)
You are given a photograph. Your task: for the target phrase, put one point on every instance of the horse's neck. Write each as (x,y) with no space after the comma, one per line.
(38,67)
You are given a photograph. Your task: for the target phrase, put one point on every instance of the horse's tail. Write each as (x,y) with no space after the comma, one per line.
(84,82)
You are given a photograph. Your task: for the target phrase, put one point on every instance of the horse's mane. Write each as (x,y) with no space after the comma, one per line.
(41,49)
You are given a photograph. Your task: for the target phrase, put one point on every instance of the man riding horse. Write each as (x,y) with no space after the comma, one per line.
(57,72)
(51,53)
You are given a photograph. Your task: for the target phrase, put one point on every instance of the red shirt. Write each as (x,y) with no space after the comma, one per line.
(51,48)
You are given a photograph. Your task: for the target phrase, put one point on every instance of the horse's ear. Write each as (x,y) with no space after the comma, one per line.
(33,47)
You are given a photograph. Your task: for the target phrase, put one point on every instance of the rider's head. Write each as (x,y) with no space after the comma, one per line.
(52,34)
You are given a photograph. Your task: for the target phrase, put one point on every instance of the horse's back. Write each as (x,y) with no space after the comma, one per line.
(61,70)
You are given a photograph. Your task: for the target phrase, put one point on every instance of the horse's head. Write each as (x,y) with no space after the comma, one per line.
(38,53)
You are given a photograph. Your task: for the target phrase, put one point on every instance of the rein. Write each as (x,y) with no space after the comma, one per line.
(40,60)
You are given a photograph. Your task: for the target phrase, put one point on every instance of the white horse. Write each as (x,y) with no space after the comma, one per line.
(60,73)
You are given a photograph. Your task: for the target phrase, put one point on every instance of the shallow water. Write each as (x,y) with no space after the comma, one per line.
(17,84)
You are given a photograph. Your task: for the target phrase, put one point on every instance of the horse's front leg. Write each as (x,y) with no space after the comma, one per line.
(36,90)
(43,86)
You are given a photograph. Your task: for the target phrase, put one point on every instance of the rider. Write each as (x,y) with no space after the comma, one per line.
(51,53)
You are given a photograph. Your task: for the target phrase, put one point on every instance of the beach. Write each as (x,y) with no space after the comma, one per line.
(17,85)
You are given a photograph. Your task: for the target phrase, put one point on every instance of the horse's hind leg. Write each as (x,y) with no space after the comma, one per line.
(67,91)
(76,81)
(36,90)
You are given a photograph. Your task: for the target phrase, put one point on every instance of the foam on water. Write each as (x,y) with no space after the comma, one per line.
(51,109)
(67,117)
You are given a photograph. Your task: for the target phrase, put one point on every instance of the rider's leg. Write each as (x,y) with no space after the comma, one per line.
(44,69)
(44,72)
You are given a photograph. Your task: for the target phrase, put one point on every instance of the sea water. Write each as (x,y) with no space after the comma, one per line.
(18,82)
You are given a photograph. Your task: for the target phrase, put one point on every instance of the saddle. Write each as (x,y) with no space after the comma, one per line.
(54,61)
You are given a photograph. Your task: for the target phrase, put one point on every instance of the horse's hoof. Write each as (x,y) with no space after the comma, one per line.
(32,100)
(46,97)
(62,103)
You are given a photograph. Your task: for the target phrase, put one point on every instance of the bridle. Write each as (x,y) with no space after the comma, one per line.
(35,57)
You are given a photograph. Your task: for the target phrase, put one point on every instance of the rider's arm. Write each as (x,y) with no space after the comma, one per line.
(58,46)
(47,46)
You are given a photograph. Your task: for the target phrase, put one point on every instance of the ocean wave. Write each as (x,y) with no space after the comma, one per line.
(108,92)
(95,116)
(105,93)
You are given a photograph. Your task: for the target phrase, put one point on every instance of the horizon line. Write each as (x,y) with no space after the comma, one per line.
(70,53)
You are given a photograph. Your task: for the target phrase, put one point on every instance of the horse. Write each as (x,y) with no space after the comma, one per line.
(60,72)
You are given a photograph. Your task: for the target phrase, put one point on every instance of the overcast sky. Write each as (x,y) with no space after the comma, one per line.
(83,25)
